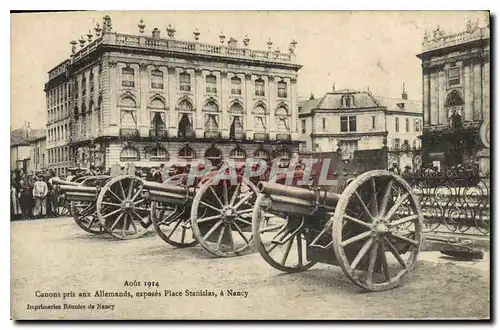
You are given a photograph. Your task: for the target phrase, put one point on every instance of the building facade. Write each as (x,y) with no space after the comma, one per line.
(38,152)
(356,120)
(456,97)
(58,105)
(149,99)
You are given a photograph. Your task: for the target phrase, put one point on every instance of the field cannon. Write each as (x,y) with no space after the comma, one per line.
(214,213)
(107,204)
(364,219)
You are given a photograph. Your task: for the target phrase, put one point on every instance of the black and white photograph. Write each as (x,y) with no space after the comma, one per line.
(250,165)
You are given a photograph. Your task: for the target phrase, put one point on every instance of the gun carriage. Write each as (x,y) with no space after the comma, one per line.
(209,209)
(107,204)
(365,219)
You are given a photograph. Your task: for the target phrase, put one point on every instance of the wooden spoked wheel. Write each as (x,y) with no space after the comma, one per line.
(377,230)
(221,216)
(280,239)
(121,209)
(172,222)
(61,206)
(85,216)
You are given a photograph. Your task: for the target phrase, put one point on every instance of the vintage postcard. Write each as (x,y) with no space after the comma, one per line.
(256,165)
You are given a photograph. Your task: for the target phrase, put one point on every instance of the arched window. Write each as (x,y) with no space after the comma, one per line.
(76,112)
(157,103)
(84,85)
(455,120)
(237,131)
(260,118)
(185,105)
(282,119)
(157,153)
(84,108)
(92,81)
(128,117)
(129,153)
(185,125)
(158,121)
(262,154)
(211,106)
(214,155)
(284,154)
(237,154)
(76,89)
(454,99)
(187,153)
(128,79)
(236,108)
(128,102)
(235,86)
(259,87)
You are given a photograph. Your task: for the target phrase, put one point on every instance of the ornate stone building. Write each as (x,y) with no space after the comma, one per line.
(456,96)
(356,120)
(149,99)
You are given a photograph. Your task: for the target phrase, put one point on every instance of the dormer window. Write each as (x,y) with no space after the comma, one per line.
(347,101)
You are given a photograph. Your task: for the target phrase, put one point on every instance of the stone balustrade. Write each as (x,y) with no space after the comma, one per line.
(155,43)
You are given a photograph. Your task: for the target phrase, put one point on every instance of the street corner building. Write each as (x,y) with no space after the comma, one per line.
(456,96)
(149,99)
(349,120)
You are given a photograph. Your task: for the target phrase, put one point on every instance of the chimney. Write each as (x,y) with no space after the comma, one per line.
(232,43)
(404,96)
(333,87)
(311,97)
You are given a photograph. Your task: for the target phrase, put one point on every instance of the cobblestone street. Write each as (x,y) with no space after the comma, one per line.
(54,257)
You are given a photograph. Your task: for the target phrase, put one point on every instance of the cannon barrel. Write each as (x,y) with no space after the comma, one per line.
(79,196)
(167,193)
(167,188)
(59,182)
(78,189)
(287,199)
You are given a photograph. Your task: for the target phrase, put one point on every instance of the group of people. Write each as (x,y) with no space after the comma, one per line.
(31,195)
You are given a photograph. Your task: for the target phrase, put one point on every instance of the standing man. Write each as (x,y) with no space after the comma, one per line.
(40,191)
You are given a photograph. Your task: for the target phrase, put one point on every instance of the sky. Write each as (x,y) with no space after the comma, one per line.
(355,50)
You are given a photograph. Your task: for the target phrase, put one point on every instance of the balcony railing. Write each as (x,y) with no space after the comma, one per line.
(158,134)
(283,136)
(212,135)
(237,135)
(261,136)
(129,133)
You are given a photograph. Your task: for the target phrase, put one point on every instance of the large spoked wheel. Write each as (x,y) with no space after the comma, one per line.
(280,239)
(85,216)
(377,230)
(121,209)
(172,222)
(221,216)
